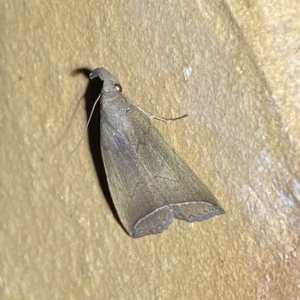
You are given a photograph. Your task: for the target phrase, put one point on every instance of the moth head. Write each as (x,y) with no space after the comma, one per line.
(110,82)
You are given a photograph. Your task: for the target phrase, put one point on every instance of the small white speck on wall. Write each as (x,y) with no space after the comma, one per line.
(26,140)
(188,72)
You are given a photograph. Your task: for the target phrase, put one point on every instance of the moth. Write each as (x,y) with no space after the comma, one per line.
(149,183)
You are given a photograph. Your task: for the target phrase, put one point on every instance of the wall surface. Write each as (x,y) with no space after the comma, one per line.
(59,234)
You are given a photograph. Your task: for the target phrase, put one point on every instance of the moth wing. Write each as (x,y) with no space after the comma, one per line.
(149,183)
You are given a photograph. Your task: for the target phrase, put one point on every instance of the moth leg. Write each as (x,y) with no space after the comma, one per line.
(152,116)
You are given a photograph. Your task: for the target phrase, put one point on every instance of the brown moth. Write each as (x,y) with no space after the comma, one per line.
(149,183)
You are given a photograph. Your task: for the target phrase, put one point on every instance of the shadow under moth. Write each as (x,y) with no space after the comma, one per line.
(149,183)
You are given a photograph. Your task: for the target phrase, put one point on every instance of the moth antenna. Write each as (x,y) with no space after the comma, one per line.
(87,124)
(169,119)
(152,116)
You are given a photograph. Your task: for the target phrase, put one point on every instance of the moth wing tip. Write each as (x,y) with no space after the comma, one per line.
(155,222)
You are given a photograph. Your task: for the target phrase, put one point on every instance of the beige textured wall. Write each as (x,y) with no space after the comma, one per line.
(59,238)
